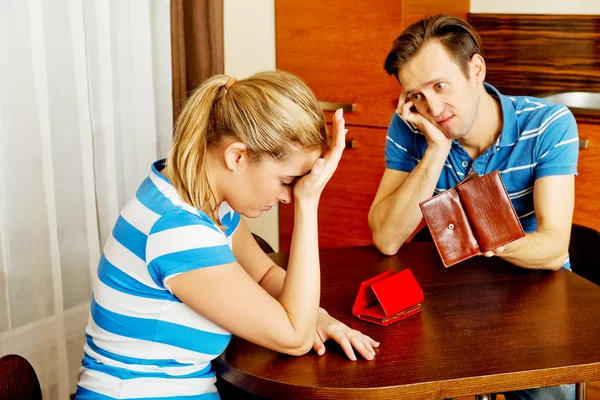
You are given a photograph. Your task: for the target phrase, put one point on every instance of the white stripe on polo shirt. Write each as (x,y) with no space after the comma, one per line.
(182,238)
(119,255)
(144,350)
(139,388)
(139,216)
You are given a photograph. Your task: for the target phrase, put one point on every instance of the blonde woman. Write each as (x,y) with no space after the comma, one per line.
(181,271)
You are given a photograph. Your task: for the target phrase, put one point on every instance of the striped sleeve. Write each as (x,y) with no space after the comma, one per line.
(399,146)
(558,147)
(180,242)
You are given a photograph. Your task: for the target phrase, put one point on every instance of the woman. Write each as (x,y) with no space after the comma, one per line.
(181,271)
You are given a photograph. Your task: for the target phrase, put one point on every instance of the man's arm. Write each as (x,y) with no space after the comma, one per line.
(395,211)
(547,248)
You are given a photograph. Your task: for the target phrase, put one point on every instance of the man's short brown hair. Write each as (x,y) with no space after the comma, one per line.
(458,38)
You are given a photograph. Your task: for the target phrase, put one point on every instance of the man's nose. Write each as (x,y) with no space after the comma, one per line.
(436,106)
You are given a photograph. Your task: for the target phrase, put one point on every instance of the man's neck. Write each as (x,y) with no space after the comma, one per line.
(486,128)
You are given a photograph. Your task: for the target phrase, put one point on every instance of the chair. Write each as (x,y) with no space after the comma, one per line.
(266,247)
(584,252)
(18,380)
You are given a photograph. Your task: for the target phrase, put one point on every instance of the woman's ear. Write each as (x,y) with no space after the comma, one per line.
(477,68)
(235,154)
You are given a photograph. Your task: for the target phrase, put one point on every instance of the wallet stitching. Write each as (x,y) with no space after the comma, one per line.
(512,207)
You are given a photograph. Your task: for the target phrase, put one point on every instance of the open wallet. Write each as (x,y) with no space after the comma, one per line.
(388,298)
(474,217)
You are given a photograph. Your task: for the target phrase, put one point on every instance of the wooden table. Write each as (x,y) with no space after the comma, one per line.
(486,326)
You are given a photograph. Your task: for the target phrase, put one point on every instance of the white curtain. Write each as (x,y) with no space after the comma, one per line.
(85,108)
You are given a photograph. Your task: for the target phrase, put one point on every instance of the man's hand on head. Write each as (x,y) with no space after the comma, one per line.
(408,111)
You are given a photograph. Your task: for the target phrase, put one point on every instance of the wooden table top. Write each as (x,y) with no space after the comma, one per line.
(486,326)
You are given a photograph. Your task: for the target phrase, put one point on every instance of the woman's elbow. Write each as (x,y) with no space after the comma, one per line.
(297,349)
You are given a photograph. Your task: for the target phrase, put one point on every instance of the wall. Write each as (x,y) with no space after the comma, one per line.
(536,7)
(249,39)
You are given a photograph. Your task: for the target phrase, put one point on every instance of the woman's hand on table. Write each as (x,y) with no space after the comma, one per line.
(349,339)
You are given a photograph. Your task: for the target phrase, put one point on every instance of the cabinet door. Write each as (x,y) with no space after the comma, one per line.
(346,200)
(339,47)
(587,182)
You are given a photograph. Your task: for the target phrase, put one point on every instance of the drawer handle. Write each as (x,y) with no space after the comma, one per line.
(584,143)
(327,106)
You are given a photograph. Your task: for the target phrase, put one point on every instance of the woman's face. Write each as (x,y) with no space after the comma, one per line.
(257,186)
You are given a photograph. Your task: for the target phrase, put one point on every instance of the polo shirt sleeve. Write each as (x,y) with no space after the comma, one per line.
(400,145)
(180,242)
(558,147)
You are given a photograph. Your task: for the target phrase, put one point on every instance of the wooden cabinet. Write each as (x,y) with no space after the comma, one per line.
(339,47)
(587,182)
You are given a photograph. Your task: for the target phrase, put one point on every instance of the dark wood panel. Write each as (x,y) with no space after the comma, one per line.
(541,52)
(346,200)
(587,183)
(536,54)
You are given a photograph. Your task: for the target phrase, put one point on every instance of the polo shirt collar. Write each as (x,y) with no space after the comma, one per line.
(510,125)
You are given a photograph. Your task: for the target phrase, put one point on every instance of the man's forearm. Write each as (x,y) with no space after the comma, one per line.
(396,217)
(538,250)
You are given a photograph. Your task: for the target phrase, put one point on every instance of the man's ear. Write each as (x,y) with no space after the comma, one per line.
(235,155)
(477,68)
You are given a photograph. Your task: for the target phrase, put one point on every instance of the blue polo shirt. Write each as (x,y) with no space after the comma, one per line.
(538,139)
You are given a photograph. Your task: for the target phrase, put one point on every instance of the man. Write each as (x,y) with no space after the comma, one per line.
(450,123)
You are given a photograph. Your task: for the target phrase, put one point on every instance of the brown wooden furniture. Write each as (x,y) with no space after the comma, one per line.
(587,183)
(338,47)
(486,326)
(530,55)
(18,380)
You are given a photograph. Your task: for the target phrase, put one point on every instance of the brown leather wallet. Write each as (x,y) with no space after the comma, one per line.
(473,217)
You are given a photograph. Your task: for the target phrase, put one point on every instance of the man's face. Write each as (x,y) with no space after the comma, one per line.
(440,91)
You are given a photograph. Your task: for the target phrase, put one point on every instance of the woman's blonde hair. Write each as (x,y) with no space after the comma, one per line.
(268,112)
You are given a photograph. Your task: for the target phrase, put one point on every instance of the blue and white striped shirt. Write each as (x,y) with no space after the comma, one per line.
(538,139)
(141,340)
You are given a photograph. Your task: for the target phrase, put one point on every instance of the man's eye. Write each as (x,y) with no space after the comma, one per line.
(440,85)
(415,97)
(287,184)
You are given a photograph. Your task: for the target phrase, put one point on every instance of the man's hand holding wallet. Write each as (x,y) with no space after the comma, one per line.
(474,217)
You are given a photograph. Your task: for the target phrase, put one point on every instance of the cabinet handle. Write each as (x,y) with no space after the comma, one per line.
(327,106)
(351,144)
(584,143)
